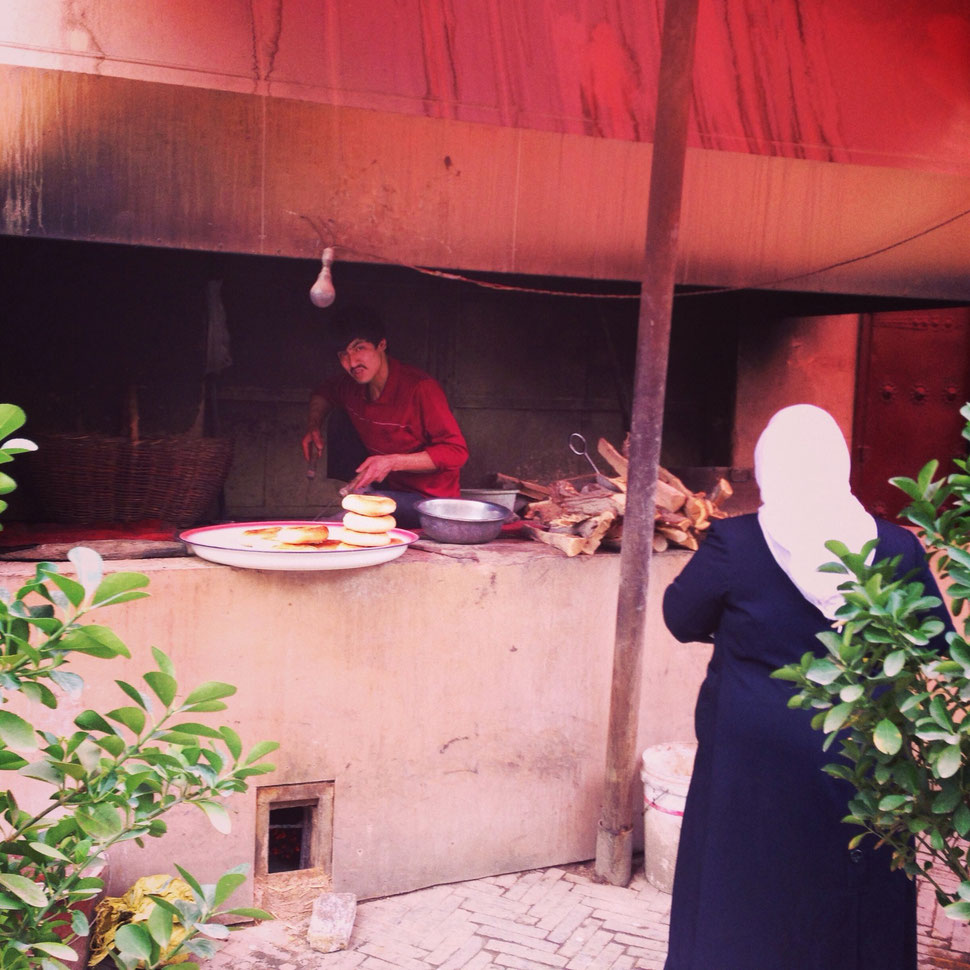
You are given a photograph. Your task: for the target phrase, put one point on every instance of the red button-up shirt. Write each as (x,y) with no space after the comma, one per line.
(411,414)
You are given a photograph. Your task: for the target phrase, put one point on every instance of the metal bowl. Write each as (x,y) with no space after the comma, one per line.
(461,519)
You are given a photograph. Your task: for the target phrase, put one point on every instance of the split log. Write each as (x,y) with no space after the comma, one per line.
(673,481)
(594,529)
(670,498)
(721,491)
(673,519)
(531,490)
(619,464)
(570,545)
(680,536)
(594,504)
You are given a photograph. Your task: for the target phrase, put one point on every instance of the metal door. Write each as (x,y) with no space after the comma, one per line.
(913,380)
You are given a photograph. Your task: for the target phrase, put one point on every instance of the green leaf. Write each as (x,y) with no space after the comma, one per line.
(9,761)
(947,800)
(837,716)
(191,727)
(163,685)
(228,883)
(32,893)
(94,640)
(160,925)
(960,911)
(250,912)
(133,939)
(852,692)
(894,663)
(61,950)
(165,664)
(260,750)
(48,850)
(948,763)
(961,820)
(92,721)
(44,771)
(133,718)
(232,740)
(215,931)
(17,733)
(135,694)
(217,815)
(72,684)
(79,923)
(193,883)
(73,590)
(887,737)
(100,821)
(822,671)
(11,418)
(210,691)
(889,803)
(119,587)
(939,713)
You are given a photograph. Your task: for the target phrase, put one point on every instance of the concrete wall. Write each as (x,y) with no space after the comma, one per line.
(459,706)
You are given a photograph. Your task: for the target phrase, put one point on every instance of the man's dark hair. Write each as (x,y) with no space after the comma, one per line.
(355,321)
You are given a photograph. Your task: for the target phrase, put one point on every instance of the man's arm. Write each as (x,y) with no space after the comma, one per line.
(313,443)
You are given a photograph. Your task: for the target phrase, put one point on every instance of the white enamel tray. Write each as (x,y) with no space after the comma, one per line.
(223,544)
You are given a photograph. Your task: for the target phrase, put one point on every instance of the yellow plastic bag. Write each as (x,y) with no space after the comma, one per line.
(135,906)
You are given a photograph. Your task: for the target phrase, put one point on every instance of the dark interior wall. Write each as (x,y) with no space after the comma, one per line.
(84,322)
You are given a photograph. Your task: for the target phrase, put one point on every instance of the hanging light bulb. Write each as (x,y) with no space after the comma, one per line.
(322,293)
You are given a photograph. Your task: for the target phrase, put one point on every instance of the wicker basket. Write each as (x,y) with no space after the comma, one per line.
(86,479)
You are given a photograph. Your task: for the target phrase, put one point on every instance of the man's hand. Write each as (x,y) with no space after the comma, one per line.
(373,469)
(312,445)
(377,467)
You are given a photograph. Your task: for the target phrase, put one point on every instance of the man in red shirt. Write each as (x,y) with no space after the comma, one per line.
(415,447)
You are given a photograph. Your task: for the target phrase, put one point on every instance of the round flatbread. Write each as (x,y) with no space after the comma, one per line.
(366,539)
(369,504)
(328,545)
(368,523)
(296,534)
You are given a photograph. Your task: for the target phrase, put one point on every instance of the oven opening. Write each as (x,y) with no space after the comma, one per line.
(290,829)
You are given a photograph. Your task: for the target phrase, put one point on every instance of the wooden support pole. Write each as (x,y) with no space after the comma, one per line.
(614,841)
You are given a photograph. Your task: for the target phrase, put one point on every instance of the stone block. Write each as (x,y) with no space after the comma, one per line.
(332,922)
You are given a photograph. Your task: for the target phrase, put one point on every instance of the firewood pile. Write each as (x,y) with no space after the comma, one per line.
(578,515)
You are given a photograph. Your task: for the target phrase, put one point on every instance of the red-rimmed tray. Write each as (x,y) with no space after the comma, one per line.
(223,544)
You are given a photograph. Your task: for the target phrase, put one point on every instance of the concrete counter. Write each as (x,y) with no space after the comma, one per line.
(453,701)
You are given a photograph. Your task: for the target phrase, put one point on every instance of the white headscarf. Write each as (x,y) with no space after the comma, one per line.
(801,463)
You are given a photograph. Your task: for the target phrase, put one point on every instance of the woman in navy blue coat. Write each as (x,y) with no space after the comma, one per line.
(764,878)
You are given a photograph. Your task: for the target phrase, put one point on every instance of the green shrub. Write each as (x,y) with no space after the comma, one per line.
(110,780)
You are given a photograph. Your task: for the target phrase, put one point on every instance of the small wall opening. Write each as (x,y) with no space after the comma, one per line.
(294,845)
(290,829)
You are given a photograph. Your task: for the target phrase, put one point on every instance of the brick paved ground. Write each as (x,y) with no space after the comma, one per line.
(536,920)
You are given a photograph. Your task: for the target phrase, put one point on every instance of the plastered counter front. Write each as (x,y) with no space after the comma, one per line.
(457,701)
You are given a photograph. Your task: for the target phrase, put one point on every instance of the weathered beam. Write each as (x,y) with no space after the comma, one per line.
(614,842)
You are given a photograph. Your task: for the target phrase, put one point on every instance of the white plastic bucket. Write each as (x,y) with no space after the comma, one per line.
(665,772)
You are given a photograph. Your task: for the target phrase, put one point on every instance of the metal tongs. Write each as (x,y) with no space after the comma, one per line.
(577,445)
